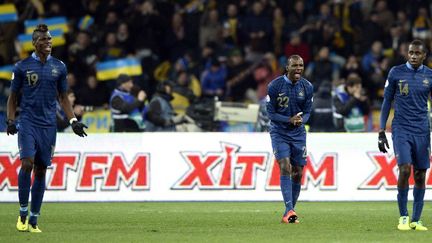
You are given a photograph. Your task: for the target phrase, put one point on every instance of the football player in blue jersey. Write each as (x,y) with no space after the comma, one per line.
(289,104)
(409,86)
(39,80)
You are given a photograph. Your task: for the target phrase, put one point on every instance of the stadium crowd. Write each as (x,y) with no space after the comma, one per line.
(231,50)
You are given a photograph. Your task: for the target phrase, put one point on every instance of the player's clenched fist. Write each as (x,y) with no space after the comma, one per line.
(382,142)
(297,120)
(78,128)
(11,127)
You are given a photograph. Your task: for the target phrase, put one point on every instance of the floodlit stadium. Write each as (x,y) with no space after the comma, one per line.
(215,121)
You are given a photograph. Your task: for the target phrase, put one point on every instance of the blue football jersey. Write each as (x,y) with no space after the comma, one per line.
(39,83)
(409,88)
(286,99)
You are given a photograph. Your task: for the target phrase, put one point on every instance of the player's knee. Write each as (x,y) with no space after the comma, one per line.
(285,167)
(419,177)
(40,171)
(27,165)
(404,171)
(296,175)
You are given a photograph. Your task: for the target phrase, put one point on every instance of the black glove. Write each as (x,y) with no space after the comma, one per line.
(78,128)
(382,142)
(11,127)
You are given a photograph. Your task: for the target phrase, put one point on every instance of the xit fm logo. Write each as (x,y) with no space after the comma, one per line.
(232,169)
(111,169)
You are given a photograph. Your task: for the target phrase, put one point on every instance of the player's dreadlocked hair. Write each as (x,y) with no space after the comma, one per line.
(41,28)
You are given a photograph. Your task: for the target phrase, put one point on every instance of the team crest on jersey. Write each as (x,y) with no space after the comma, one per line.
(54,72)
(301,93)
(426,83)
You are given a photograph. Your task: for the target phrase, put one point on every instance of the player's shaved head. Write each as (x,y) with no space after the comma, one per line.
(293,57)
(419,43)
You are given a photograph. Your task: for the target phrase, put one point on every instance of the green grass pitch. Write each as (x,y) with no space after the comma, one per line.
(214,222)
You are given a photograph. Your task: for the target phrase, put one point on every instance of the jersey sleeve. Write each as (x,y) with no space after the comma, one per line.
(389,92)
(308,106)
(62,81)
(17,78)
(271,105)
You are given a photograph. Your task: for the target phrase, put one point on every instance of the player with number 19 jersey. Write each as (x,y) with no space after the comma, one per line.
(40,84)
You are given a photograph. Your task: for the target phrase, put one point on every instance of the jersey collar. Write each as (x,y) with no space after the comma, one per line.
(37,58)
(287,79)
(409,66)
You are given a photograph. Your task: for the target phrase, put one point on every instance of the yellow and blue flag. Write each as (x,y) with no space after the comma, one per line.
(85,22)
(56,23)
(25,40)
(8,13)
(112,69)
(6,72)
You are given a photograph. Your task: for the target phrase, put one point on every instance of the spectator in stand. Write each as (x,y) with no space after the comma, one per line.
(422,27)
(395,38)
(111,50)
(371,31)
(72,82)
(147,29)
(213,79)
(321,118)
(175,39)
(258,28)
(400,55)
(263,74)
(322,68)
(278,28)
(82,56)
(385,16)
(87,97)
(297,46)
(352,65)
(160,114)
(186,90)
(232,26)
(124,39)
(126,110)
(210,28)
(239,76)
(351,106)
(297,19)
(375,66)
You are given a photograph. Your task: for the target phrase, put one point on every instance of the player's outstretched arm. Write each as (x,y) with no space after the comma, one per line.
(77,126)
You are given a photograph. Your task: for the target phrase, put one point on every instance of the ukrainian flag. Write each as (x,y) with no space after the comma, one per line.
(8,13)
(57,23)
(112,69)
(6,72)
(25,40)
(85,22)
